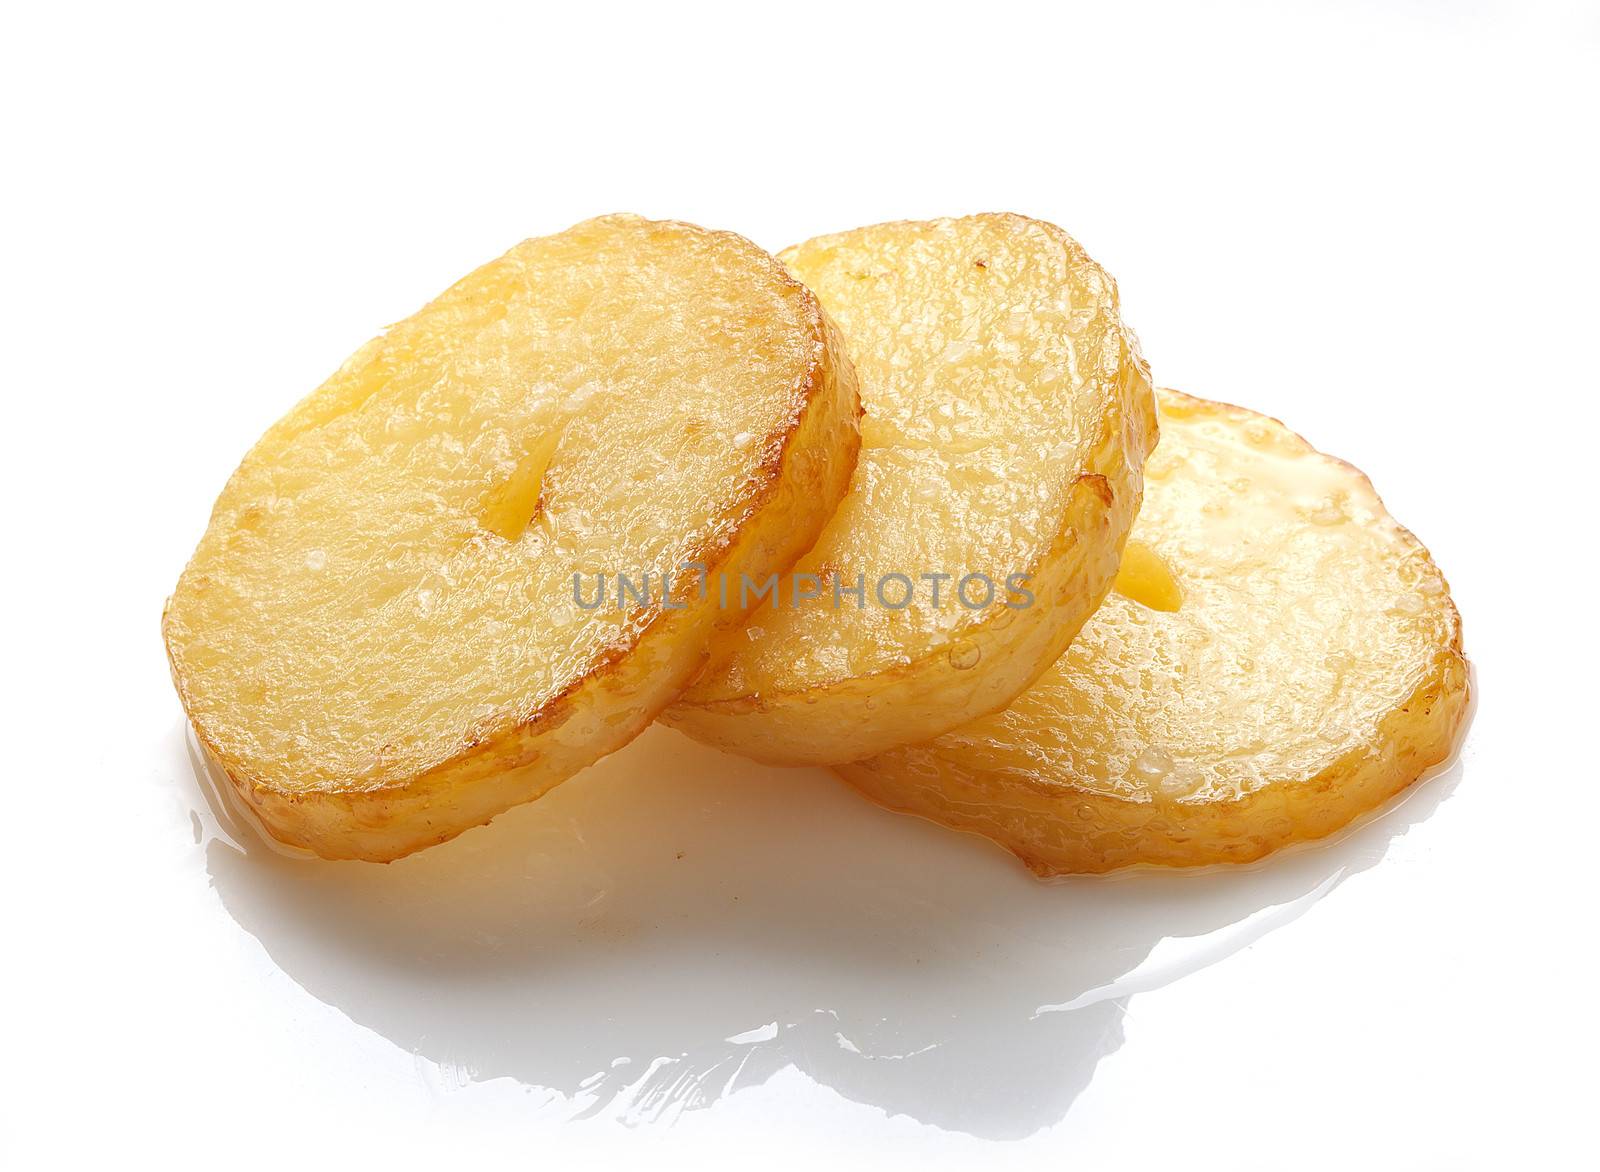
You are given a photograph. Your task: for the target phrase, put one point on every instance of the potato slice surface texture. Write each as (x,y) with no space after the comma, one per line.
(379,636)
(1279,657)
(1008,415)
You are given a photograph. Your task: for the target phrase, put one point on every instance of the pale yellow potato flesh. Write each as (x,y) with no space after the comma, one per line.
(378,637)
(1008,415)
(1289,659)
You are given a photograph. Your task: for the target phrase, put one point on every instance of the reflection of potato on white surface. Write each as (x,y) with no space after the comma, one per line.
(377,637)
(544,952)
(1279,657)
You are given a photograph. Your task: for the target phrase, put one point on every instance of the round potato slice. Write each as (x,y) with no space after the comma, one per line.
(1008,414)
(1278,657)
(392,629)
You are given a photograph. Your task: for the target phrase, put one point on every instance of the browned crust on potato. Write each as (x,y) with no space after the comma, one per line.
(807,463)
(1076,576)
(1404,750)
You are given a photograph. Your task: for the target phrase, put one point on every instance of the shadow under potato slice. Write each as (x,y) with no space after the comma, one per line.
(676,924)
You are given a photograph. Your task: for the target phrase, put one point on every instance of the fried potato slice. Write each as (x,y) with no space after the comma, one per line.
(1008,414)
(1279,657)
(379,636)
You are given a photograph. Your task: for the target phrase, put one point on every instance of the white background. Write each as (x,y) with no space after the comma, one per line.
(1376,221)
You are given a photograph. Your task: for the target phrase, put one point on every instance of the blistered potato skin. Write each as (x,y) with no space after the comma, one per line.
(1007,418)
(1312,670)
(374,643)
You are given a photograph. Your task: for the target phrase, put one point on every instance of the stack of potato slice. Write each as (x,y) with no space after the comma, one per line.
(894,505)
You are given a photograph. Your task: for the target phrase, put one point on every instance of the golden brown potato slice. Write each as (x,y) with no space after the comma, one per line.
(1279,656)
(379,637)
(1008,414)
